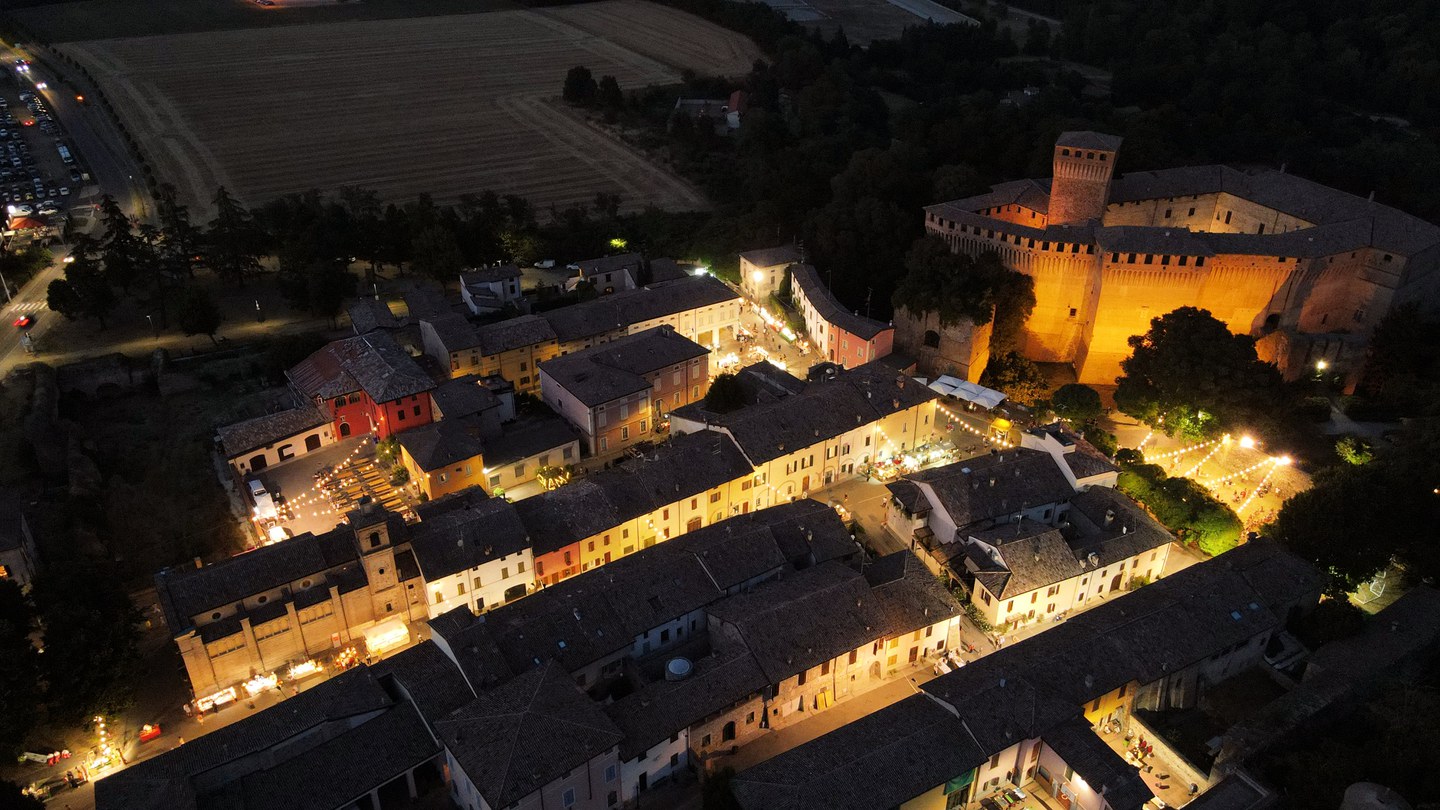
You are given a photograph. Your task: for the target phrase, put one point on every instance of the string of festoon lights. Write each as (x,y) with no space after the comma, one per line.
(1272,460)
(1144,441)
(998,442)
(315,500)
(1224,442)
(1182,451)
(1279,461)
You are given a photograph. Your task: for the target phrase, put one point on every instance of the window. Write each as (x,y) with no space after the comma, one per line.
(444,477)
(459,589)
(374,539)
(825,668)
(995,761)
(642,425)
(520,568)
(854,656)
(985,596)
(520,470)
(417,410)
(800,680)
(567,798)
(477,584)
(750,718)
(705,741)
(1227,217)
(1192,212)
(604,444)
(625,433)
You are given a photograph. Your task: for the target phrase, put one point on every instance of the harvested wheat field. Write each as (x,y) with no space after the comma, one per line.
(446,105)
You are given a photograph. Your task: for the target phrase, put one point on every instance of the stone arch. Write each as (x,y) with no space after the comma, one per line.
(931,339)
(344,429)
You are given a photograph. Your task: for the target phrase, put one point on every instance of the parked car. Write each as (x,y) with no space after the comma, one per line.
(264,504)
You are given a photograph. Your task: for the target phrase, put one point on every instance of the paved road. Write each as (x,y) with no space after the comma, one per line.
(98,142)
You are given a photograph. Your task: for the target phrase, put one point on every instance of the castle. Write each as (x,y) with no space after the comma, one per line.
(1307,270)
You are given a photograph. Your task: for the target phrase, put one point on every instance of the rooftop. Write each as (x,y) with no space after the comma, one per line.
(773,257)
(1036,688)
(514,333)
(681,468)
(440,444)
(263,431)
(830,308)
(618,368)
(619,311)
(1085,139)
(995,486)
(373,363)
(454,332)
(586,617)
(527,438)
(490,275)
(820,411)
(186,592)
(368,314)
(463,396)
(517,738)
(465,538)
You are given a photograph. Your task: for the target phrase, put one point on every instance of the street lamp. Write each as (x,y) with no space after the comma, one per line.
(1321,365)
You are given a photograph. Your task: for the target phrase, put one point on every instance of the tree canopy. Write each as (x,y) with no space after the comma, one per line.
(960,287)
(1189,376)
(1019,379)
(1077,403)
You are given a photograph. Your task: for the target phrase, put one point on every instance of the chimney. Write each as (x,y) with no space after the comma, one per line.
(1109,517)
(198,563)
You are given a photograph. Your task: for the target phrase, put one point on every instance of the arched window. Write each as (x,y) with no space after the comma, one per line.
(340,402)
(374,539)
(932,339)
(728,732)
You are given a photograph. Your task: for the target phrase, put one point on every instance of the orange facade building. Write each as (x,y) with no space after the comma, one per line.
(1308,270)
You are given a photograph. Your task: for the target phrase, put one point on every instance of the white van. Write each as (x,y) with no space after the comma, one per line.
(264,504)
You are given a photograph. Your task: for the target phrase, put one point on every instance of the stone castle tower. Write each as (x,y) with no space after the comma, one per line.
(1084,164)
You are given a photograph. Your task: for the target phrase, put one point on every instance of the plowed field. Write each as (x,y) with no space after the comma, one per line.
(445,105)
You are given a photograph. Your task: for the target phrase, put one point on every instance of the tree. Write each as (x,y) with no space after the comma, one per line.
(726,394)
(91,659)
(1354,450)
(958,287)
(610,96)
(198,314)
(1190,376)
(118,248)
(84,292)
(580,88)
(1019,379)
(1077,403)
(231,243)
(20,266)
(19,670)
(436,254)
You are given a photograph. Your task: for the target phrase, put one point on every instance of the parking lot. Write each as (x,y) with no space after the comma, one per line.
(40,171)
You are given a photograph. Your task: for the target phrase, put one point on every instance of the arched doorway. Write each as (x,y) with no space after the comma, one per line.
(1115,582)
(312,443)
(728,732)
(344,429)
(694,524)
(258,463)
(932,339)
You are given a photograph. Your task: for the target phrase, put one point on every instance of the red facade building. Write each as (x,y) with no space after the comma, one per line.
(368,384)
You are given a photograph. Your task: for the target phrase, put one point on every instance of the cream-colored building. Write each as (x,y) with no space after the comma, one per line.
(302,600)
(1032,532)
(803,437)
(763,271)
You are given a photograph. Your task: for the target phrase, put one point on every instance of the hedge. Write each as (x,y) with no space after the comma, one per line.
(1185,507)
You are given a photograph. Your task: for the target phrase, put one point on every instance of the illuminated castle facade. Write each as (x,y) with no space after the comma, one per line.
(1307,270)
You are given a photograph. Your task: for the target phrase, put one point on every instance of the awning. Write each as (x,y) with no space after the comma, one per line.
(959,782)
(986,398)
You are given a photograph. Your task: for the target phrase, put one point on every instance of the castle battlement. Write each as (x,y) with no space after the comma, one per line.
(1264,251)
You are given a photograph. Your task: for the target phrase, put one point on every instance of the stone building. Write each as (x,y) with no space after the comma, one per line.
(958,349)
(1308,270)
